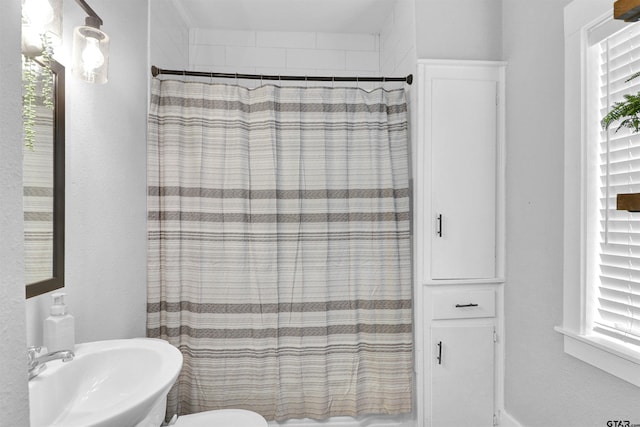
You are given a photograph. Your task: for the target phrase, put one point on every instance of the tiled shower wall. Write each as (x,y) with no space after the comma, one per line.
(292,53)
(389,52)
(169,36)
(398,41)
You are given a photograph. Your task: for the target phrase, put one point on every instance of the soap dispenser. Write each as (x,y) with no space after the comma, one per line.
(59,327)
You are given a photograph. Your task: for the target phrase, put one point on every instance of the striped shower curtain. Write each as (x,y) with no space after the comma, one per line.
(279,248)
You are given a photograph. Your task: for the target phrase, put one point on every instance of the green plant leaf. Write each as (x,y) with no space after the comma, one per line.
(627,112)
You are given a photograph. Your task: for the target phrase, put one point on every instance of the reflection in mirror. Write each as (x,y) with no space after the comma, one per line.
(43,197)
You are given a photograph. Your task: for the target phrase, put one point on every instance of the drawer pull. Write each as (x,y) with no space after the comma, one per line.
(439,353)
(466,305)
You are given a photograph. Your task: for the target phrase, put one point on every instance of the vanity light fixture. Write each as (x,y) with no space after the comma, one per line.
(90,48)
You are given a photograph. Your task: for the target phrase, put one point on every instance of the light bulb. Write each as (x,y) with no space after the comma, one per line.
(38,12)
(90,54)
(92,58)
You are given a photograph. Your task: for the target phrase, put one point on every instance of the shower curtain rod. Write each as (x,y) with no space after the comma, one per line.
(155,71)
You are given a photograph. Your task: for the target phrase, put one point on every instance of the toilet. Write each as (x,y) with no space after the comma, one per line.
(221,418)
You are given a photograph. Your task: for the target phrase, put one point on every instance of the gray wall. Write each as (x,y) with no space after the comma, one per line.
(460,29)
(13,379)
(544,387)
(168,36)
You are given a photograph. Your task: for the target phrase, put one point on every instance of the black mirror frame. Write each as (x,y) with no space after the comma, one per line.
(57,281)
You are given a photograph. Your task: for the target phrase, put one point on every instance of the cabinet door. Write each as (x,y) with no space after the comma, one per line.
(462,387)
(463,178)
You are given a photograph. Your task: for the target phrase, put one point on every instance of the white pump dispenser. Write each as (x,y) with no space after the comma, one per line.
(59,327)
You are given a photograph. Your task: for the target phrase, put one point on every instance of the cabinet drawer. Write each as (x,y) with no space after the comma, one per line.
(463,304)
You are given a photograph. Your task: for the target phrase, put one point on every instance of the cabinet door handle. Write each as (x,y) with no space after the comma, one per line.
(439,225)
(439,358)
(466,305)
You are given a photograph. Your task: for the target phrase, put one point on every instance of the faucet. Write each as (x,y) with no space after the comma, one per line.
(37,364)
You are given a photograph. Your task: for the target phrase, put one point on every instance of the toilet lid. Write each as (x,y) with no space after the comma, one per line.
(222,418)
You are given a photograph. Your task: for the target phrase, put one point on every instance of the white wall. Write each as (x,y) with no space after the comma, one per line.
(13,373)
(398,55)
(398,40)
(461,29)
(544,386)
(169,36)
(282,52)
(105,263)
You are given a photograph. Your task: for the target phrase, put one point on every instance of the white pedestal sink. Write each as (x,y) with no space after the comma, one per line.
(115,383)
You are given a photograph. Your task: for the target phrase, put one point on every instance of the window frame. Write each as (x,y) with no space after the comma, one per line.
(581,126)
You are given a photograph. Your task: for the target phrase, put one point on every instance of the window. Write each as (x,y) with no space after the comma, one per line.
(614,302)
(601,321)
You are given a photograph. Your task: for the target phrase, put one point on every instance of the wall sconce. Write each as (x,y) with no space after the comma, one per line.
(90,48)
(40,19)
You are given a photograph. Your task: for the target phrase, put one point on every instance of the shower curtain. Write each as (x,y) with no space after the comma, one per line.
(279,248)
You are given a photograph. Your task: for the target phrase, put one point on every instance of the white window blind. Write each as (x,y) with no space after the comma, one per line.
(617,304)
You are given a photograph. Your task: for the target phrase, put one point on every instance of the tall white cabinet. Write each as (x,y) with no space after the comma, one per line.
(460,242)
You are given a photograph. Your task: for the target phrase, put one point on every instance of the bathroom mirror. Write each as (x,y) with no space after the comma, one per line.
(43,192)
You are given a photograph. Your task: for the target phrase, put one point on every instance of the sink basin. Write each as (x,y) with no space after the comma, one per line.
(115,383)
